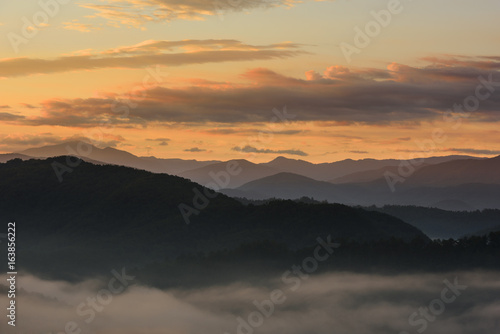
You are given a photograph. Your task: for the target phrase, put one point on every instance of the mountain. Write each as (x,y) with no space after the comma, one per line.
(452,205)
(339,169)
(288,186)
(10,156)
(457,172)
(84,150)
(327,171)
(301,167)
(495,229)
(198,171)
(114,156)
(473,195)
(177,166)
(368,169)
(434,188)
(368,176)
(104,216)
(437,223)
(231,174)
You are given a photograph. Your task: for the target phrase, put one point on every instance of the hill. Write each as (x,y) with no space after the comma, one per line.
(471,184)
(104,215)
(367,176)
(9,156)
(345,171)
(244,171)
(288,186)
(114,156)
(457,172)
(339,169)
(437,223)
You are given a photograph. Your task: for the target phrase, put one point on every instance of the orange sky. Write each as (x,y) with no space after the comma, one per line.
(216,80)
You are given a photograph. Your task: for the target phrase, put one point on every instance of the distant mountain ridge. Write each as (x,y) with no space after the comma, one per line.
(247,171)
(437,223)
(465,184)
(9,156)
(198,170)
(114,156)
(449,182)
(289,186)
(330,171)
(485,171)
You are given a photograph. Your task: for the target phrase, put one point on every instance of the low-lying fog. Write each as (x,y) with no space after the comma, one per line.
(322,304)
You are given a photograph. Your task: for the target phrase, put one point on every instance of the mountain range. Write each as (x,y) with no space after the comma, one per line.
(198,170)
(453,182)
(460,193)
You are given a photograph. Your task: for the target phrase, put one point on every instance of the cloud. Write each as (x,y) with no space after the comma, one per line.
(8,117)
(148,53)
(26,105)
(194,149)
(358,152)
(162,141)
(489,63)
(229,131)
(17,142)
(475,151)
(30,140)
(137,13)
(338,96)
(349,302)
(78,26)
(251,149)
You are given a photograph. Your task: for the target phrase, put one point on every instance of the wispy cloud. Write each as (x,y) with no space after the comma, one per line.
(30,140)
(78,26)
(161,141)
(251,149)
(475,151)
(8,117)
(171,53)
(136,13)
(194,150)
(17,141)
(239,131)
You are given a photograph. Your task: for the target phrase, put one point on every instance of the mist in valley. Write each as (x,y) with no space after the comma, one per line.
(341,302)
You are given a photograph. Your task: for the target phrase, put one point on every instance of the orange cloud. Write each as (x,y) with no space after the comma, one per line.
(150,53)
(82,27)
(136,13)
(341,95)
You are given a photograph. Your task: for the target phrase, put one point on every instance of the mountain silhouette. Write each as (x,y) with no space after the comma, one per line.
(104,214)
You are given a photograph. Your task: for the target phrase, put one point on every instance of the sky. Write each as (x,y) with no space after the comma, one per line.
(315,80)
